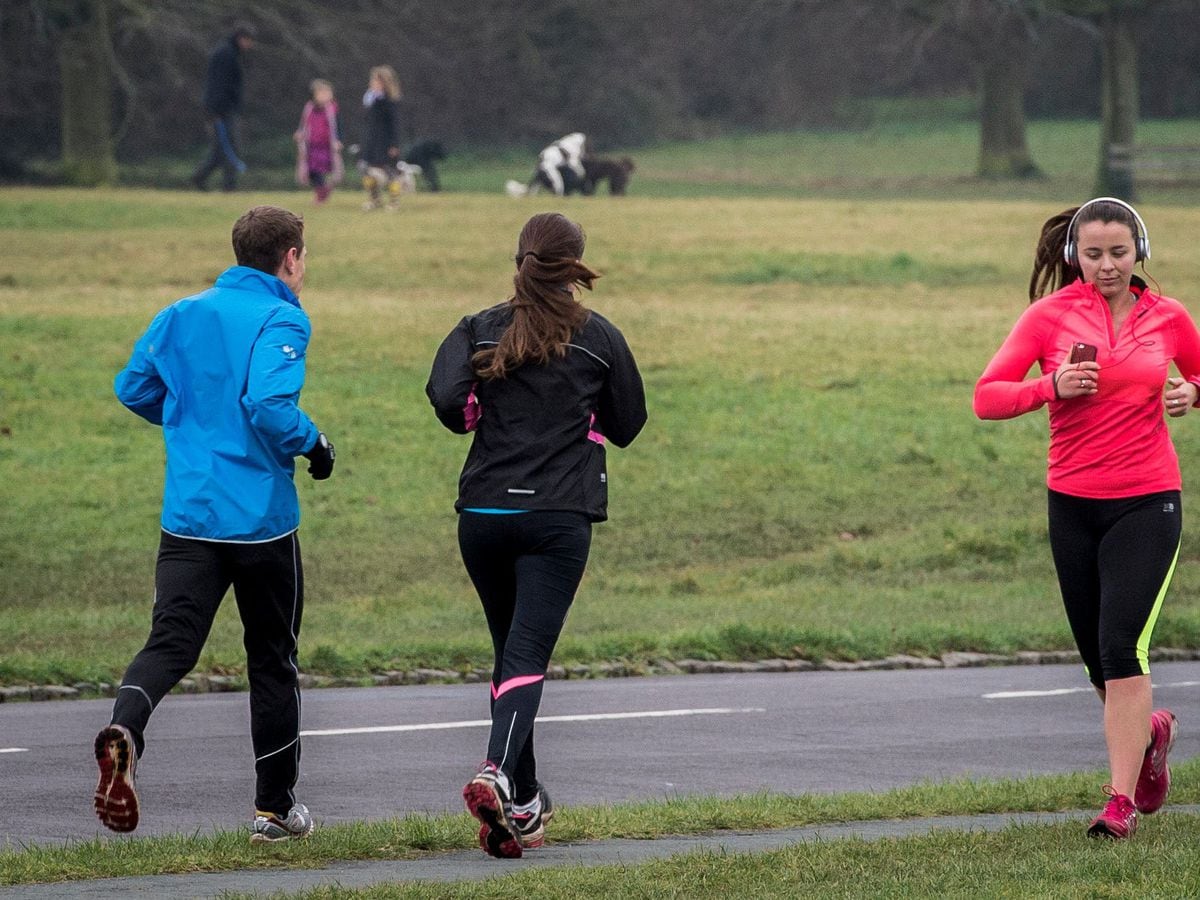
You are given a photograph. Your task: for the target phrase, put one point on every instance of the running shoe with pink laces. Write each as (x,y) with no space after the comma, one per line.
(531,818)
(1154,781)
(116,801)
(489,799)
(1118,820)
(271,828)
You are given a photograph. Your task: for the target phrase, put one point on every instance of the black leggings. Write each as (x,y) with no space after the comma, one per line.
(1115,559)
(526,568)
(190,581)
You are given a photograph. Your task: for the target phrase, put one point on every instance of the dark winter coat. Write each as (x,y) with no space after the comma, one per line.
(382,132)
(223,80)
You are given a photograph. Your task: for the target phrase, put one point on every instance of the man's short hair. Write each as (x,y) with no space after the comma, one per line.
(263,236)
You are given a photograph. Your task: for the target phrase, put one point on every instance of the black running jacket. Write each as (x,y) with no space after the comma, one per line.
(539,431)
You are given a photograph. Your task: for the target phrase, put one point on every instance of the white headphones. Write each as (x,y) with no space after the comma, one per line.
(1141,240)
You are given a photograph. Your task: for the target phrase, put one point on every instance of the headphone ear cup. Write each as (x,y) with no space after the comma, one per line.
(1069,255)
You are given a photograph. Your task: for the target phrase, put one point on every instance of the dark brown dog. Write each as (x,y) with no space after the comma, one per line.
(616,171)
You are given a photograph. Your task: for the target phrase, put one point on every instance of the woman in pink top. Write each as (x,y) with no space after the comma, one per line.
(1103,342)
(318,146)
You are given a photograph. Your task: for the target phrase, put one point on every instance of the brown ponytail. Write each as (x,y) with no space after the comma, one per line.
(545,311)
(1050,269)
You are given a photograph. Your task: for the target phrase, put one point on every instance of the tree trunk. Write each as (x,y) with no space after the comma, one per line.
(1118,99)
(1004,47)
(85,65)
(1003,151)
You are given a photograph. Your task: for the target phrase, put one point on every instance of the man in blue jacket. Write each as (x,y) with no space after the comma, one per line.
(222,104)
(221,373)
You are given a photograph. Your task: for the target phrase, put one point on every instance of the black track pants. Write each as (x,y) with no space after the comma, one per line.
(526,568)
(1115,559)
(191,579)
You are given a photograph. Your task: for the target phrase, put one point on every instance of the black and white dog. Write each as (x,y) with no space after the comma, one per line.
(559,168)
(565,167)
(596,170)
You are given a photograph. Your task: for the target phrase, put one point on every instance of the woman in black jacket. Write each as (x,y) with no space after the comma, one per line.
(380,149)
(542,381)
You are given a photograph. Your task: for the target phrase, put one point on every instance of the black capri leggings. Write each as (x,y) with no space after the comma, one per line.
(1115,559)
(525,568)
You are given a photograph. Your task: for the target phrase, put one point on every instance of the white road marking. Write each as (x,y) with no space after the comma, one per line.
(14,749)
(583,717)
(1011,695)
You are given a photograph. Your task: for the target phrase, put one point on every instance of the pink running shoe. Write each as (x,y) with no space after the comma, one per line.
(1154,781)
(489,799)
(1118,820)
(116,801)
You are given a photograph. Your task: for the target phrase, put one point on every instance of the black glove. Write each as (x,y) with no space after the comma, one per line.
(320,458)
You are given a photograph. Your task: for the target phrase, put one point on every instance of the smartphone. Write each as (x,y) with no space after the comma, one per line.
(1081,352)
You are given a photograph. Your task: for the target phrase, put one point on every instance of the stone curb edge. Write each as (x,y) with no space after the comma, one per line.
(205,684)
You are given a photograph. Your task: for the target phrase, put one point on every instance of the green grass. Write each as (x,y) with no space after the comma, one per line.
(834,271)
(895,158)
(900,152)
(811,483)
(1025,861)
(417,834)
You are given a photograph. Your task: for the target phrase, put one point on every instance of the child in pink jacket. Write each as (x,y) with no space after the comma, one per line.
(319,149)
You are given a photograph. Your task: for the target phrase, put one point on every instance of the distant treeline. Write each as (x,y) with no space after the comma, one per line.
(520,72)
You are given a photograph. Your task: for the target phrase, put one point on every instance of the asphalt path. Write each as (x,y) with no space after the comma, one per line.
(376,753)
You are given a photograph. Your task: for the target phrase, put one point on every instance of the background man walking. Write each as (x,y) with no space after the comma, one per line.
(222,104)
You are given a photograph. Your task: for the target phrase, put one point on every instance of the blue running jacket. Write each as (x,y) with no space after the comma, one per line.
(221,372)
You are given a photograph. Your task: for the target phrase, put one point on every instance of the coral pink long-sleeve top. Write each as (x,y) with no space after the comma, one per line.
(1114,443)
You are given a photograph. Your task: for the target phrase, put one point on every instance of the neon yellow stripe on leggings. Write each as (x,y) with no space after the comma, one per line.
(1143,644)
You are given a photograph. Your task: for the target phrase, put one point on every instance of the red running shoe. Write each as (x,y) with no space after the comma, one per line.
(1154,781)
(116,801)
(489,799)
(1118,820)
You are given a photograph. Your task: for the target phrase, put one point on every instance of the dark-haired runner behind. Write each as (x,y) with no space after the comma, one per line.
(542,381)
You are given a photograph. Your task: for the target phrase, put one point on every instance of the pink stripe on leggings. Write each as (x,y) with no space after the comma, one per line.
(519,681)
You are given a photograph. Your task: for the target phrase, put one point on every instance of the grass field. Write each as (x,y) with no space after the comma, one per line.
(908,151)
(1161,845)
(896,158)
(812,482)
(1027,861)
